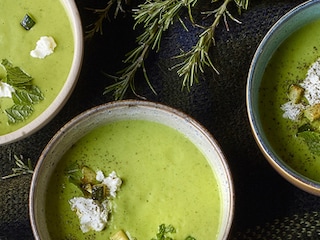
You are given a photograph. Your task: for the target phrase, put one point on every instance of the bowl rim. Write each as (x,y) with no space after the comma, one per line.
(143,104)
(52,110)
(281,167)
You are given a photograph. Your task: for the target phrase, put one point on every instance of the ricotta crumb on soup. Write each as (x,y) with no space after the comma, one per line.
(93,214)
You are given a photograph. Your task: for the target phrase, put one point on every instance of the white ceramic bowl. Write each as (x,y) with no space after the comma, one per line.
(62,97)
(129,110)
(291,22)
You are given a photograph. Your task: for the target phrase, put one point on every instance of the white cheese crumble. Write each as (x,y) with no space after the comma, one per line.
(292,111)
(112,181)
(311,85)
(92,214)
(45,46)
(6,90)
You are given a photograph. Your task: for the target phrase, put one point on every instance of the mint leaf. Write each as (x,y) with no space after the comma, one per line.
(312,139)
(16,77)
(18,113)
(25,96)
(28,95)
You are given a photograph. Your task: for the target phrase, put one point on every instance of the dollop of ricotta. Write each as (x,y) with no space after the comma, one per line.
(113,182)
(92,214)
(6,90)
(45,46)
(292,110)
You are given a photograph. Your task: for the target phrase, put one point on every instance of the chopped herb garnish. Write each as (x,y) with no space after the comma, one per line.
(164,233)
(305,127)
(18,113)
(25,94)
(27,22)
(15,75)
(312,139)
(190,238)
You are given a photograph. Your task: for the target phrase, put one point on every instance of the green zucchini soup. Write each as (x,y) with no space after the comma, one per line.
(48,74)
(166,181)
(284,79)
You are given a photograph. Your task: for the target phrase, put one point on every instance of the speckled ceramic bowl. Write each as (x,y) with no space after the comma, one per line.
(291,22)
(50,105)
(129,110)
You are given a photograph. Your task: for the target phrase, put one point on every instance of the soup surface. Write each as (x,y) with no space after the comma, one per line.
(50,73)
(289,65)
(166,180)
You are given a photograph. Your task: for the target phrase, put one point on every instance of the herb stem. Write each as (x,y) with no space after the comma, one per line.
(21,168)
(102,15)
(156,17)
(198,57)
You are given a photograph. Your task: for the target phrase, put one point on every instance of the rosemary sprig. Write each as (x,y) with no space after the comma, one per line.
(21,168)
(156,17)
(102,15)
(198,57)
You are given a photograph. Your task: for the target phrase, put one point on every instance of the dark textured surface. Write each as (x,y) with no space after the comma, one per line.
(266,206)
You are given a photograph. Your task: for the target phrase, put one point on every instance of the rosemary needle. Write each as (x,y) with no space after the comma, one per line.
(198,57)
(21,168)
(156,16)
(102,15)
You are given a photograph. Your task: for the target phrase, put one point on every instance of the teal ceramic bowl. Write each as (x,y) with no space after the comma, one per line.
(289,24)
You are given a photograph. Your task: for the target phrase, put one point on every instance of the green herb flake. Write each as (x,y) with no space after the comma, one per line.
(18,113)
(25,95)
(15,75)
(190,238)
(28,95)
(74,174)
(164,232)
(27,22)
(312,139)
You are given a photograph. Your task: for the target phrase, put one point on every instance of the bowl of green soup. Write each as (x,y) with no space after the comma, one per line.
(41,49)
(283,96)
(132,170)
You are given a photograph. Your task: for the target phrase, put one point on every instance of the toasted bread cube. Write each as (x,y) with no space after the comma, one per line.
(313,112)
(295,93)
(120,235)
